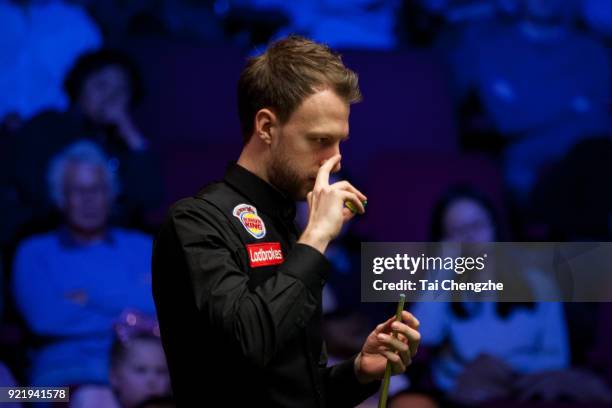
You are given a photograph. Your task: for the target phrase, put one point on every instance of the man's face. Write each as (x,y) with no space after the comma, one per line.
(104,92)
(87,197)
(312,135)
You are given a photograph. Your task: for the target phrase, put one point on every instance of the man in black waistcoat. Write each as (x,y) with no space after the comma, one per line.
(236,285)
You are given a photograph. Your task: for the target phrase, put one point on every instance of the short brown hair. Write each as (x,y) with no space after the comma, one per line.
(290,70)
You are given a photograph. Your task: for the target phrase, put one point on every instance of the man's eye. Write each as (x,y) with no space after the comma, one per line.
(322,140)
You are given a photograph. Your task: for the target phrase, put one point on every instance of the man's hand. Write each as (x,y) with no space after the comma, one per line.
(381,346)
(117,114)
(327,212)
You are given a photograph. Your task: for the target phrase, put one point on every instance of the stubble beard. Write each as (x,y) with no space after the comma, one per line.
(285,177)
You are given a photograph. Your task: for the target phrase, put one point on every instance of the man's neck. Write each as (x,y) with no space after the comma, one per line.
(254,162)
(85,237)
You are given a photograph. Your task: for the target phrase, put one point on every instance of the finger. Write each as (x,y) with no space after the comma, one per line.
(407,318)
(347,214)
(405,356)
(392,343)
(353,199)
(324,170)
(385,326)
(404,334)
(397,365)
(346,186)
(396,345)
(412,336)
(410,320)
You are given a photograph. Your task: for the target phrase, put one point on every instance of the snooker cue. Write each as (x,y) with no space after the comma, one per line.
(382,402)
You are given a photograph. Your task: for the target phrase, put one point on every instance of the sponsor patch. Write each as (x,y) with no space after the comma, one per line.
(264,254)
(247,214)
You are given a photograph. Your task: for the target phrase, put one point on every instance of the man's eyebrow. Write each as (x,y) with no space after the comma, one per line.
(328,135)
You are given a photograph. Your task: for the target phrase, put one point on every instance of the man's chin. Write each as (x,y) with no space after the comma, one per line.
(305,190)
(299,195)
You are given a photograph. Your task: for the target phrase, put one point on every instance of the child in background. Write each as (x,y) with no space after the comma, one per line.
(138,370)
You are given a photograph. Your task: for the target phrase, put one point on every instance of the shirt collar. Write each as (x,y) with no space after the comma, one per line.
(262,194)
(67,240)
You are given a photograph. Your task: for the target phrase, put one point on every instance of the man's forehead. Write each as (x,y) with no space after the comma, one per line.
(325,101)
(323,113)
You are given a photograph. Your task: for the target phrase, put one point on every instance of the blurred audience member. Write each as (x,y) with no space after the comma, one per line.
(103,86)
(39,40)
(539,84)
(485,351)
(71,284)
(138,370)
(138,363)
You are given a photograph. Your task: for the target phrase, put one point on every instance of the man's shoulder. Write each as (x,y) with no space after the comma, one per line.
(209,202)
(40,242)
(131,237)
(203,216)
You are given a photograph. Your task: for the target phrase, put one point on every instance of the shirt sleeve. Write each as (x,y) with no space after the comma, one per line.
(342,387)
(259,321)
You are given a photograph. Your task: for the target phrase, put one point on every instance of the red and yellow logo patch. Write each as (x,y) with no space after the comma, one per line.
(247,214)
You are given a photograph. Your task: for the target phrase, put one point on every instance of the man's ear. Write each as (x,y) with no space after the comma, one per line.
(265,122)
